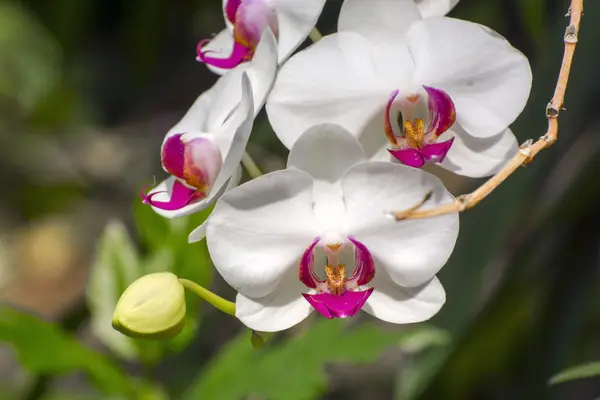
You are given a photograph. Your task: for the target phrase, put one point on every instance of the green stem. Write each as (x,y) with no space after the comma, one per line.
(315,35)
(251,166)
(218,302)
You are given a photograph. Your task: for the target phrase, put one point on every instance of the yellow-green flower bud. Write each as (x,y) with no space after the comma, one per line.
(152,307)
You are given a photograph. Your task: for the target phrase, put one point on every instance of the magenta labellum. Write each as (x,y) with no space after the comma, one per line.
(417,145)
(338,296)
(249,18)
(195,162)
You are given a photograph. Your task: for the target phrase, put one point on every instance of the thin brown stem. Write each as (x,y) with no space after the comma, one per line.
(529,149)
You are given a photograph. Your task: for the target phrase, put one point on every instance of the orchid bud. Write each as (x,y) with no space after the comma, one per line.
(152,307)
(195,161)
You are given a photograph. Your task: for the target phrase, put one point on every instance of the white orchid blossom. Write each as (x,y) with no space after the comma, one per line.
(269,238)
(456,85)
(203,151)
(290,20)
(435,8)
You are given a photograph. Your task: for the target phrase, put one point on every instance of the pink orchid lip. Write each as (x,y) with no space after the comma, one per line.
(195,163)
(334,301)
(250,18)
(181,196)
(237,56)
(338,306)
(430,153)
(441,109)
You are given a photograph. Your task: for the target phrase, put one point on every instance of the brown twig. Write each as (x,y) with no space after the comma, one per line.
(529,149)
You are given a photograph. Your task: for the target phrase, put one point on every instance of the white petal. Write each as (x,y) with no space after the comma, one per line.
(381,21)
(296,19)
(200,232)
(488,79)
(435,8)
(325,152)
(262,69)
(333,81)
(233,137)
(259,230)
(412,251)
(282,309)
(404,305)
(478,157)
(222,46)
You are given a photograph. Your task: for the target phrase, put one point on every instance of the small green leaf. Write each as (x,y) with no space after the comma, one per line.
(294,369)
(42,348)
(582,371)
(116,265)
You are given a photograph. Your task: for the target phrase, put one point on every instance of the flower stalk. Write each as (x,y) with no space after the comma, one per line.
(529,149)
(216,301)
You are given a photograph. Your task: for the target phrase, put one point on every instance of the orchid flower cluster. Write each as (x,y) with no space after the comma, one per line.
(397,87)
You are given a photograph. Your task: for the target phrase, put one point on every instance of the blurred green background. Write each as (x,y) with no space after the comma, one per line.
(88,88)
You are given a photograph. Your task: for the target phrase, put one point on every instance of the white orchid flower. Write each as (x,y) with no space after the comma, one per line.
(456,85)
(435,8)
(290,20)
(269,238)
(202,152)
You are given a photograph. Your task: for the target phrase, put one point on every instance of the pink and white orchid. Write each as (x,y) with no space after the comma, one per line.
(202,152)
(423,90)
(318,235)
(290,20)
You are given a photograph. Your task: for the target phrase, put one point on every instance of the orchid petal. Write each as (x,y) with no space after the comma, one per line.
(334,81)
(404,305)
(258,231)
(381,21)
(325,152)
(435,8)
(488,79)
(296,20)
(479,157)
(409,156)
(411,251)
(281,309)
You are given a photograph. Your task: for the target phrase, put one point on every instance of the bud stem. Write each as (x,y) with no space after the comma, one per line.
(315,35)
(216,301)
(251,166)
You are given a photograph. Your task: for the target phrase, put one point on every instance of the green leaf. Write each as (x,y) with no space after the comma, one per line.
(116,265)
(582,371)
(42,348)
(294,369)
(31,59)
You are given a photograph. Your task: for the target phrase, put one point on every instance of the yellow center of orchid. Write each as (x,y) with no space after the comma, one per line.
(414,132)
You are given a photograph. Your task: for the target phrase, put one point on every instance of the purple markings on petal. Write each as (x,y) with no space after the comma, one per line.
(237,56)
(181,196)
(172,155)
(364,266)
(441,109)
(436,152)
(196,161)
(231,9)
(307,272)
(338,306)
(409,156)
